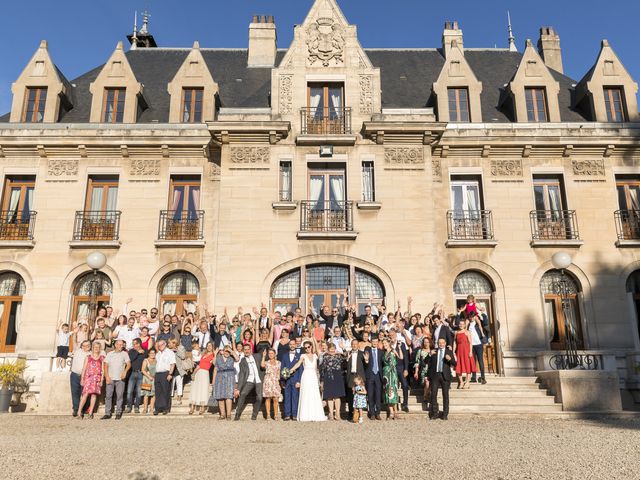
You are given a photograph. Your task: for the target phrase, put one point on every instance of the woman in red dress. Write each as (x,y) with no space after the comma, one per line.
(91,379)
(464,355)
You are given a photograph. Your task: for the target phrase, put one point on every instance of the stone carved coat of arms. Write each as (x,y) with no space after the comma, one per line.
(325,41)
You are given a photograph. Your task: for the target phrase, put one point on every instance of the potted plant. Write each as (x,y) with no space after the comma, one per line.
(10,376)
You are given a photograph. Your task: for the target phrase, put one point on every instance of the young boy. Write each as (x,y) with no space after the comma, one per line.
(63,346)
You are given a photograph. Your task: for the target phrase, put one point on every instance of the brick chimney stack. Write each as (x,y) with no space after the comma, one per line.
(451,33)
(549,48)
(262,41)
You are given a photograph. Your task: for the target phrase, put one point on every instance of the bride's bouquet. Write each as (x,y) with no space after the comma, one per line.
(285,373)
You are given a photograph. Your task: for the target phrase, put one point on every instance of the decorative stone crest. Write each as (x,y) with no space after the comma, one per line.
(325,42)
(250,155)
(62,168)
(506,168)
(144,168)
(286,94)
(366,94)
(592,168)
(404,156)
(436,167)
(214,172)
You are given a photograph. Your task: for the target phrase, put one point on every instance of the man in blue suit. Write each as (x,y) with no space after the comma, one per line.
(291,384)
(373,371)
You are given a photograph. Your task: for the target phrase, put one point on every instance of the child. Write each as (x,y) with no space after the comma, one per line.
(359,399)
(471,306)
(63,346)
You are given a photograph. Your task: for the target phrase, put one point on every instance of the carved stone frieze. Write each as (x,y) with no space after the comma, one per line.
(366,94)
(592,168)
(404,155)
(286,94)
(62,168)
(250,155)
(325,42)
(506,168)
(213,170)
(436,167)
(145,168)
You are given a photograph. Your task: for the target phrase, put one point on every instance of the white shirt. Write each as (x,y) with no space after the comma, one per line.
(63,339)
(78,361)
(128,336)
(354,363)
(153,327)
(475,338)
(292,355)
(436,333)
(164,360)
(203,338)
(338,342)
(263,322)
(254,375)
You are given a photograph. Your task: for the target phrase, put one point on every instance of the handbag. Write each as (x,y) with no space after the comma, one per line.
(147,387)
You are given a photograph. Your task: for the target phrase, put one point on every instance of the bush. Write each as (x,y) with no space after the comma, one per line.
(11,373)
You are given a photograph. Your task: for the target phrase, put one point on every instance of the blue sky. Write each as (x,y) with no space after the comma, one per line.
(83,33)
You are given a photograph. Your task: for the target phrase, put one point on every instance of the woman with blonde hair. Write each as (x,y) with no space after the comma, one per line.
(224,378)
(200,386)
(271,383)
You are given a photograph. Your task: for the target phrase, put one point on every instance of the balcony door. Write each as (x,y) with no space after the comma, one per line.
(551,216)
(467,219)
(183,218)
(17,206)
(629,204)
(99,221)
(325,102)
(327,200)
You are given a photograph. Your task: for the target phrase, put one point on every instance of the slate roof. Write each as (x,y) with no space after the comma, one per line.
(406,76)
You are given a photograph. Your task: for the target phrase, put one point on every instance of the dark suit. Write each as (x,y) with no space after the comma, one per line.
(401,367)
(329,321)
(440,380)
(296,331)
(246,387)
(373,375)
(291,394)
(350,376)
(217,339)
(445,332)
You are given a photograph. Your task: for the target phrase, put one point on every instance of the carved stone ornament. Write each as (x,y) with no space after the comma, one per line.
(592,168)
(145,168)
(214,171)
(286,94)
(404,156)
(436,167)
(325,42)
(62,168)
(250,155)
(506,168)
(366,94)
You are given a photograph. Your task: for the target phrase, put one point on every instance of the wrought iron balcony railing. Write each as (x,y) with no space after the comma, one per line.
(97,225)
(329,216)
(16,225)
(628,224)
(325,121)
(181,225)
(554,225)
(470,225)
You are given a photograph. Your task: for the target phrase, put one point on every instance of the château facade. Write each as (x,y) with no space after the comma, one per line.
(327,170)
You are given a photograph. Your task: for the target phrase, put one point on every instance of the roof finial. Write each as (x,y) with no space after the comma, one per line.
(512,39)
(134,42)
(145,22)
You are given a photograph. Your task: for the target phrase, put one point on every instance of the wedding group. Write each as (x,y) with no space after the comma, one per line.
(322,366)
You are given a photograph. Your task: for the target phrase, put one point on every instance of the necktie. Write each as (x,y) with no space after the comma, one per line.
(203,338)
(440,356)
(375,361)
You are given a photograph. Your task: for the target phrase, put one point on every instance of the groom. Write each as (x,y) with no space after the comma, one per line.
(291,384)
(250,379)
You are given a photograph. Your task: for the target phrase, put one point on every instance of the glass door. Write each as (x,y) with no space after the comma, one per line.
(549,205)
(100,210)
(329,298)
(183,222)
(17,205)
(325,102)
(629,204)
(557,325)
(466,203)
(327,201)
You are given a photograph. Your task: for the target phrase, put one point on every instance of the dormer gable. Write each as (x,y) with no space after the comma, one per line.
(192,90)
(114,80)
(533,88)
(457,82)
(607,85)
(40,91)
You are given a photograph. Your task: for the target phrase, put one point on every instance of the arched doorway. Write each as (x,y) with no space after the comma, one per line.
(12,289)
(89,288)
(633,287)
(474,283)
(559,318)
(178,293)
(326,285)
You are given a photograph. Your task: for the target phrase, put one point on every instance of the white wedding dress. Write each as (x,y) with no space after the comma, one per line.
(310,403)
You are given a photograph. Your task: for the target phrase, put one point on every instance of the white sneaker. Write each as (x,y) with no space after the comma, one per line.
(360,420)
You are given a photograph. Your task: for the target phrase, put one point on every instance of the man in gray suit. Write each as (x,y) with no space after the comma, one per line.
(250,379)
(355,367)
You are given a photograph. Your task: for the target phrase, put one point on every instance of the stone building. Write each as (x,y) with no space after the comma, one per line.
(234,177)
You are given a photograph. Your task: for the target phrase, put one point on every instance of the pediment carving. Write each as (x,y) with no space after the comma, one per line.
(326,42)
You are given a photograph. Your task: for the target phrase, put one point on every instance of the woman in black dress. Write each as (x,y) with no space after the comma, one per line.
(332,378)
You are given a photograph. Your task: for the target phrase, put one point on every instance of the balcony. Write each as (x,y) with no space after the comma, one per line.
(551,228)
(95,228)
(326,220)
(330,126)
(181,228)
(470,228)
(628,228)
(16,229)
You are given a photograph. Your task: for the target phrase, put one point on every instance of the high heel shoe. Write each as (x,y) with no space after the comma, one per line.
(91,417)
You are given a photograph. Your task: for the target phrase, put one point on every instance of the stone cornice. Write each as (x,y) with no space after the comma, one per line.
(388,131)
(255,131)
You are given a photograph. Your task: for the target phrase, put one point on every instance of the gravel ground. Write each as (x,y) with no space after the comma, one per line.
(196,448)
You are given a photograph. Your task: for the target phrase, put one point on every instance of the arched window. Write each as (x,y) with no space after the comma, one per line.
(561,317)
(633,287)
(179,293)
(12,289)
(285,292)
(472,283)
(368,289)
(90,292)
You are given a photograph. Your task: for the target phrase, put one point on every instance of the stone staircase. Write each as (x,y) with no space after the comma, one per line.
(500,396)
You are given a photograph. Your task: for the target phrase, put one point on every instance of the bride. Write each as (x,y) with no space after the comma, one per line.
(310,403)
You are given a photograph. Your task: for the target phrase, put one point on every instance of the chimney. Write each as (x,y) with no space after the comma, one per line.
(451,33)
(549,48)
(262,41)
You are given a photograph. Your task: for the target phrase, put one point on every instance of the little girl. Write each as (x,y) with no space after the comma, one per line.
(471,306)
(359,399)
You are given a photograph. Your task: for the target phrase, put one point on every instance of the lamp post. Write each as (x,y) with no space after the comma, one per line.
(95,261)
(562,261)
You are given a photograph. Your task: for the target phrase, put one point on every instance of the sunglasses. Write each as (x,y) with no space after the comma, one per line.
(307,347)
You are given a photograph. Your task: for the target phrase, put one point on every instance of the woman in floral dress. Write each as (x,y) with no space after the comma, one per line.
(149,373)
(224,377)
(390,378)
(271,382)
(420,367)
(91,379)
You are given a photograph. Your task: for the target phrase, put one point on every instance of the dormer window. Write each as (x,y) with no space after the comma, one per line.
(113,109)
(458,104)
(614,104)
(192,105)
(536,104)
(325,112)
(36,99)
